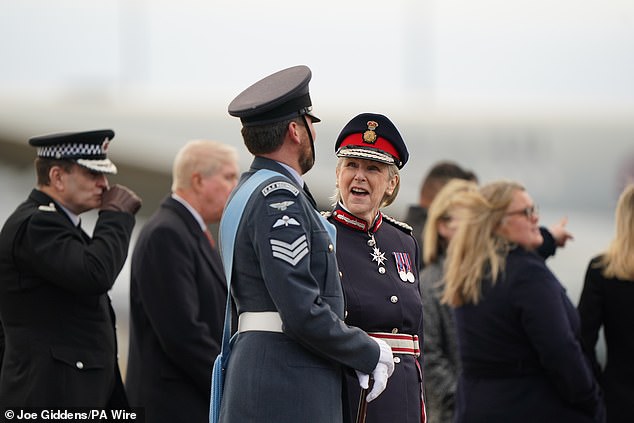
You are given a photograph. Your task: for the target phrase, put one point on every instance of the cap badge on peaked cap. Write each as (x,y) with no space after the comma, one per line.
(369,136)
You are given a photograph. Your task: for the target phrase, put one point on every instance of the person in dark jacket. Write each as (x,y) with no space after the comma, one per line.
(178,289)
(442,363)
(378,259)
(292,344)
(60,346)
(607,301)
(438,175)
(518,333)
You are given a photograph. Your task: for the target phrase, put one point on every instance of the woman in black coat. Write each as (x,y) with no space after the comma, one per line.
(518,333)
(607,300)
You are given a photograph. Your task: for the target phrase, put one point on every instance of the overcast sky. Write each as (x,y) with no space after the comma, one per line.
(417,55)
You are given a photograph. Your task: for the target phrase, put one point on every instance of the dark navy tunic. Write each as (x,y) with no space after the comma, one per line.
(380,299)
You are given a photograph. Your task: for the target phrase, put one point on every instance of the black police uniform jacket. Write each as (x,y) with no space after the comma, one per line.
(60,341)
(382,297)
(294,376)
(521,353)
(177,304)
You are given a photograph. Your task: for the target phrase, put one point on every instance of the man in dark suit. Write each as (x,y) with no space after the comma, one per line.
(60,345)
(178,289)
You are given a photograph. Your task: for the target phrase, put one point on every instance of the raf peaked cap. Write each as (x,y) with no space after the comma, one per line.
(278,97)
(87,148)
(372,136)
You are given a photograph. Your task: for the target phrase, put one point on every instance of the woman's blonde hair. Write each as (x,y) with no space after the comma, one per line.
(476,251)
(392,170)
(618,259)
(444,202)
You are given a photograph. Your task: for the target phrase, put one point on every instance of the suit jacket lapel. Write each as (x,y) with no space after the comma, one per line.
(211,255)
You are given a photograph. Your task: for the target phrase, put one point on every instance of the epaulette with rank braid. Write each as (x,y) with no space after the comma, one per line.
(401,225)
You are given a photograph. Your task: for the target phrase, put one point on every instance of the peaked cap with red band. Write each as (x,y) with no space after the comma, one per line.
(372,136)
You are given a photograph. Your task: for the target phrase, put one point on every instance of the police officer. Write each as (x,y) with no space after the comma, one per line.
(60,342)
(287,360)
(378,258)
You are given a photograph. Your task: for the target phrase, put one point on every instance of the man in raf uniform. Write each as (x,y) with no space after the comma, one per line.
(60,345)
(287,359)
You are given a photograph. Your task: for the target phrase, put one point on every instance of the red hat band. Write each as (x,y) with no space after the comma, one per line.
(381,144)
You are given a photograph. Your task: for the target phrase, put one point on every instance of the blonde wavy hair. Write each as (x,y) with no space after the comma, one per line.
(476,251)
(618,259)
(443,204)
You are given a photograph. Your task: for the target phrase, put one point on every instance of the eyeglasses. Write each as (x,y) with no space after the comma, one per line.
(529,212)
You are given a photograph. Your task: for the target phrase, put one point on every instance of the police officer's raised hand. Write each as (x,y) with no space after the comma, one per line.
(120,198)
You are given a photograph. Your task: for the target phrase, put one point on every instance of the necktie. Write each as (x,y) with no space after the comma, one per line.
(310,196)
(210,238)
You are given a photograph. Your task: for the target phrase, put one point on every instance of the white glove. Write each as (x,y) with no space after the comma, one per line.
(380,374)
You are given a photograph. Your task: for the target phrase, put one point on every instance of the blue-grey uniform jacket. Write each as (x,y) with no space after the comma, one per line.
(60,343)
(284,261)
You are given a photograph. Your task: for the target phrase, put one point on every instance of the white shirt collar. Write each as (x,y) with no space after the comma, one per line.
(72,216)
(296,175)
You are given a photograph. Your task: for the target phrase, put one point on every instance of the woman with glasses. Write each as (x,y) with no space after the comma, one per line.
(518,333)
(607,300)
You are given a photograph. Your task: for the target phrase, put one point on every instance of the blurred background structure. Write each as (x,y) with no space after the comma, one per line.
(532,90)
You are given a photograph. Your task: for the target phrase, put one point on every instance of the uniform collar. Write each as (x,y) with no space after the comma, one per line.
(72,216)
(42,197)
(294,173)
(343,216)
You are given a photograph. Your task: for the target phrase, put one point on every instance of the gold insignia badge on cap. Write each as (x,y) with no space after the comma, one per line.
(369,136)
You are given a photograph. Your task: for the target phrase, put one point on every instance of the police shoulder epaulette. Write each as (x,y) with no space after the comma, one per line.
(401,225)
(326,214)
(49,208)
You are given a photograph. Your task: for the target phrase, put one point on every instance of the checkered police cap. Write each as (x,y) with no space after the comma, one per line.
(87,148)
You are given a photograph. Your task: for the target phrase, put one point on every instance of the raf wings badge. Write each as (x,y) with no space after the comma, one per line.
(281,206)
(285,221)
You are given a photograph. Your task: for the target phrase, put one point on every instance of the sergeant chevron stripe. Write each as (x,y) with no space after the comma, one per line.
(290,253)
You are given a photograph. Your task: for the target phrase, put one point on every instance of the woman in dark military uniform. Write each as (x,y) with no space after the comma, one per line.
(378,259)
